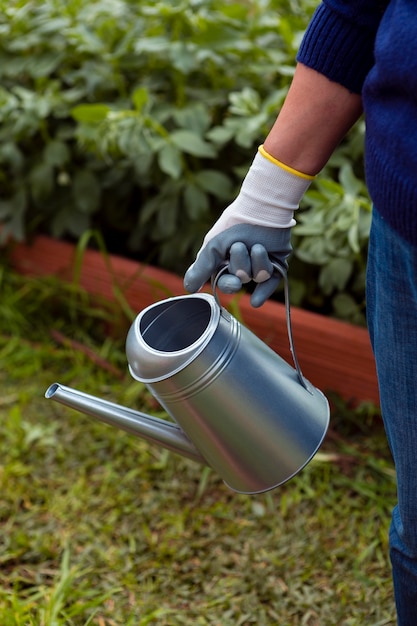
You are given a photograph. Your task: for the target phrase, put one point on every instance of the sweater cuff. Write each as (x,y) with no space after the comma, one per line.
(338,48)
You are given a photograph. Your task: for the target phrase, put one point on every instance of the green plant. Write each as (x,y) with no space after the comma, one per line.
(59,601)
(212,74)
(175,64)
(140,119)
(332,235)
(53,55)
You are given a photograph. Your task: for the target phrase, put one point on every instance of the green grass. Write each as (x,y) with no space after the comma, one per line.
(98,527)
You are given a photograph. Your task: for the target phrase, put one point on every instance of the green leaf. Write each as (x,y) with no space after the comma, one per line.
(143,164)
(195,118)
(196,201)
(15,205)
(335,275)
(220,134)
(13,212)
(215,182)
(297,290)
(6,208)
(183,56)
(78,222)
(312,251)
(12,155)
(56,153)
(170,161)
(329,188)
(41,181)
(166,218)
(44,64)
(345,306)
(90,113)
(349,181)
(69,220)
(309,229)
(245,102)
(353,237)
(130,139)
(148,210)
(86,191)
(191,143)
(151,45)
(140,98)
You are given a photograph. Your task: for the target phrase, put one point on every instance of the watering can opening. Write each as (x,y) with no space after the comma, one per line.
(169,335)
(175,325)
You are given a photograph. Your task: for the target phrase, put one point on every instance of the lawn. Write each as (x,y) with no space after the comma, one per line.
(100,528)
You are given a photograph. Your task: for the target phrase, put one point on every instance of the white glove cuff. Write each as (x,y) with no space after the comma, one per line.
(270,193)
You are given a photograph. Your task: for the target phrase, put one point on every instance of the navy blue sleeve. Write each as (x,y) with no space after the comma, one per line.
(339,41)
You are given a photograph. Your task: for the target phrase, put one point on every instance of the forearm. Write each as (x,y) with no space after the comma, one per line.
(315,117)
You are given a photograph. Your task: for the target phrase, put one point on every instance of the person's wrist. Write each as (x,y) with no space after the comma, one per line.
(284,166)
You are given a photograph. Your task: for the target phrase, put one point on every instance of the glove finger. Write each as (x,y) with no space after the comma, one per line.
(264,290)
(193,279)
(240,262)
(228,283)
(262,268)
(201,270)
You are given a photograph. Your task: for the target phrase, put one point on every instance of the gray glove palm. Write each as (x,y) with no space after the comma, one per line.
(249,251)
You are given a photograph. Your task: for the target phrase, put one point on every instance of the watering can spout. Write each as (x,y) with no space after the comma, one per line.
(152,429)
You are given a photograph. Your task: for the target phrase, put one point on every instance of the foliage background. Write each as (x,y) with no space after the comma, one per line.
(140,119)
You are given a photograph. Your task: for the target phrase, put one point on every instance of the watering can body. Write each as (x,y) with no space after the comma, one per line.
(237,406)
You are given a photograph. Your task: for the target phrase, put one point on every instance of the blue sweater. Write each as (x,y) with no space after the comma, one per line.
(370,47)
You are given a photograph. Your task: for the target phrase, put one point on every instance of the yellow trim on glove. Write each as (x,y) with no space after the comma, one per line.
(287,168)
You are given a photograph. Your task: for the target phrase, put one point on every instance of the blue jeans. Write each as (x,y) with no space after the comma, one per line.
(392,321)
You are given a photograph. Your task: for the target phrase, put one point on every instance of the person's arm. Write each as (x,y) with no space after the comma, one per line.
(316,115)
(335,56)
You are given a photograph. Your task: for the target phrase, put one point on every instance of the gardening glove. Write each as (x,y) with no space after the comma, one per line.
(253,232)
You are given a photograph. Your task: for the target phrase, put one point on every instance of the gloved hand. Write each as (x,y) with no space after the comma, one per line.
(253,232)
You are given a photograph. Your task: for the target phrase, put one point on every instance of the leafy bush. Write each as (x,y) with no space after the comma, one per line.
(332,236)
(140,119)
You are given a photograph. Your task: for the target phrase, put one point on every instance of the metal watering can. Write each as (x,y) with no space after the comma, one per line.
(238,407)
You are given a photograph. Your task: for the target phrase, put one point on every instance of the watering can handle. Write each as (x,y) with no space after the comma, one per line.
(281,270)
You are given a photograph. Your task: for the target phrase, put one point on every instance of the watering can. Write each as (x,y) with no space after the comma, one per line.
(237,406)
